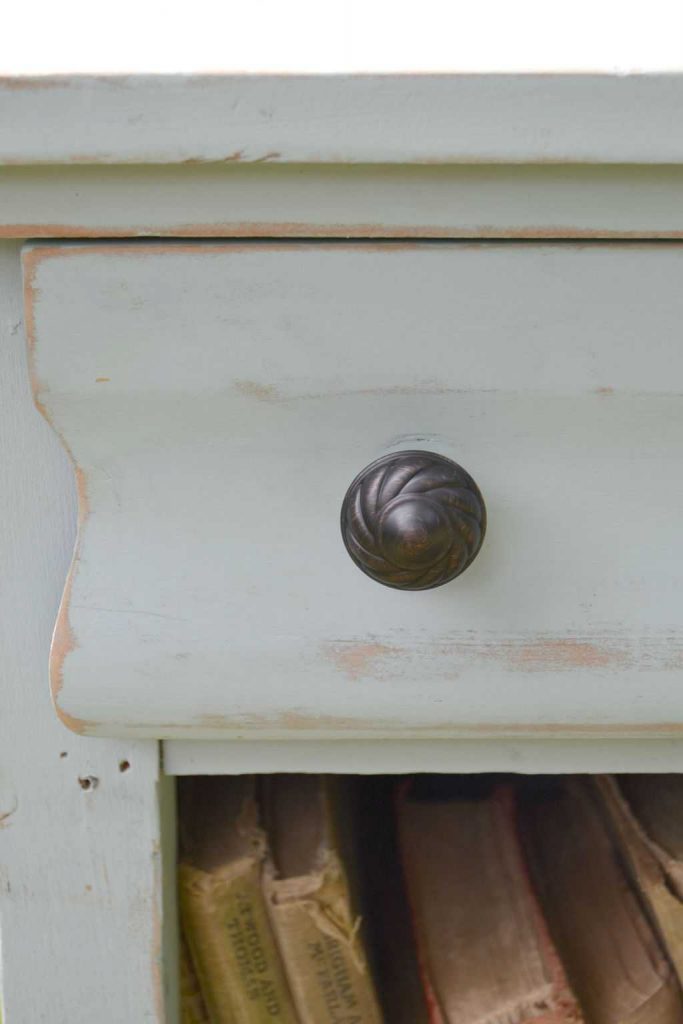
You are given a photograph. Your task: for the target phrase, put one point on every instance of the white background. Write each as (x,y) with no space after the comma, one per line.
(55,36)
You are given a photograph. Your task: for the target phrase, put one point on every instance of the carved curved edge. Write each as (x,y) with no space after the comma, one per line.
(64,640)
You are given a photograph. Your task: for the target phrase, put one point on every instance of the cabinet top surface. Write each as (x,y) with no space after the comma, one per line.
(339,119)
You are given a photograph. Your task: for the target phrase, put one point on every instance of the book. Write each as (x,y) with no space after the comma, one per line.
(313,901)
(646,815)
(192,1007)
(485,953)
(222,907)
(612,955)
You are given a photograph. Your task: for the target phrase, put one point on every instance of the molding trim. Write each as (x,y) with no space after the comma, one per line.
(470,118)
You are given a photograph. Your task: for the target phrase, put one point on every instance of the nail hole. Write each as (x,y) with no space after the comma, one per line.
(88,782)
(124,765)
(64,754)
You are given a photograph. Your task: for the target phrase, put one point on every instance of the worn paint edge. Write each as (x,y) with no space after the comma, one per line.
(64,640)
(314,727)
(308,229)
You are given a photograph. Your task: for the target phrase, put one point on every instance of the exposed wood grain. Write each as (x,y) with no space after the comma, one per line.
(471,118)
(332,201)
(81,908)
(219,398)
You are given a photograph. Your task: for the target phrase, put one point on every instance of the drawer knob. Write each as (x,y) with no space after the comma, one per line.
(413,520)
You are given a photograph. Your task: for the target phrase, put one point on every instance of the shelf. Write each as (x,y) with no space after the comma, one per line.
(524,755)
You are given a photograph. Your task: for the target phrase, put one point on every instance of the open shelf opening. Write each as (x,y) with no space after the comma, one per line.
(431,898)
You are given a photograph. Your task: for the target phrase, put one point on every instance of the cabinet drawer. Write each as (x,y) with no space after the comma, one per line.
(218,400)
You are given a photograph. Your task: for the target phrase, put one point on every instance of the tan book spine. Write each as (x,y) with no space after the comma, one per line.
(232,945)
(320,944)
(657,875)
(484,948)
(192,1007)
(612,953)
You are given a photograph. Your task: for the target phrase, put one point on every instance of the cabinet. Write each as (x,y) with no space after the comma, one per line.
(486,267)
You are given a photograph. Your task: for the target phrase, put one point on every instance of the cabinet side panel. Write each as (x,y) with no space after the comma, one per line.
(80,823)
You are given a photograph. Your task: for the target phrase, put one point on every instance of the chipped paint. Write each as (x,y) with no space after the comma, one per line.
(216,229)
(142,247)
(450,658)
(286,724)
(361,660)
(558,654)
(64,641)
(297,722)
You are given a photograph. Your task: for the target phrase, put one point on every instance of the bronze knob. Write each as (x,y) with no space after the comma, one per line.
(413,520)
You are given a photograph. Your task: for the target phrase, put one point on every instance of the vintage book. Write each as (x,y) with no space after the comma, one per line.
(223,912)
(486,955)
(612,955)
(313,901)
(192,1006)
(646,815)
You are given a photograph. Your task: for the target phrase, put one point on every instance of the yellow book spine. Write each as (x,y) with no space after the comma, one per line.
(192,1007)
(322,950)
(233,949)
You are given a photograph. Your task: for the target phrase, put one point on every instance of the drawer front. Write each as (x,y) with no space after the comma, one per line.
(218,400)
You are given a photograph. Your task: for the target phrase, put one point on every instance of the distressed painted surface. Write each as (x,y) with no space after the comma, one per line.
(470,118)
(218,399)
(269,200)
(81,829)
(525,755)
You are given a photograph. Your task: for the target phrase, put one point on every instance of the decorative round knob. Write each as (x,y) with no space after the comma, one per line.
(413,520)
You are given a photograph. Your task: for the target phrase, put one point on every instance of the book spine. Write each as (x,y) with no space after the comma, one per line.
(192,1007)
(320,945)
(232,947)
(648,868)
(434,1014)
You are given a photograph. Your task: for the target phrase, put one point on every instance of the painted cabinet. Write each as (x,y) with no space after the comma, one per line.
(228,295)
